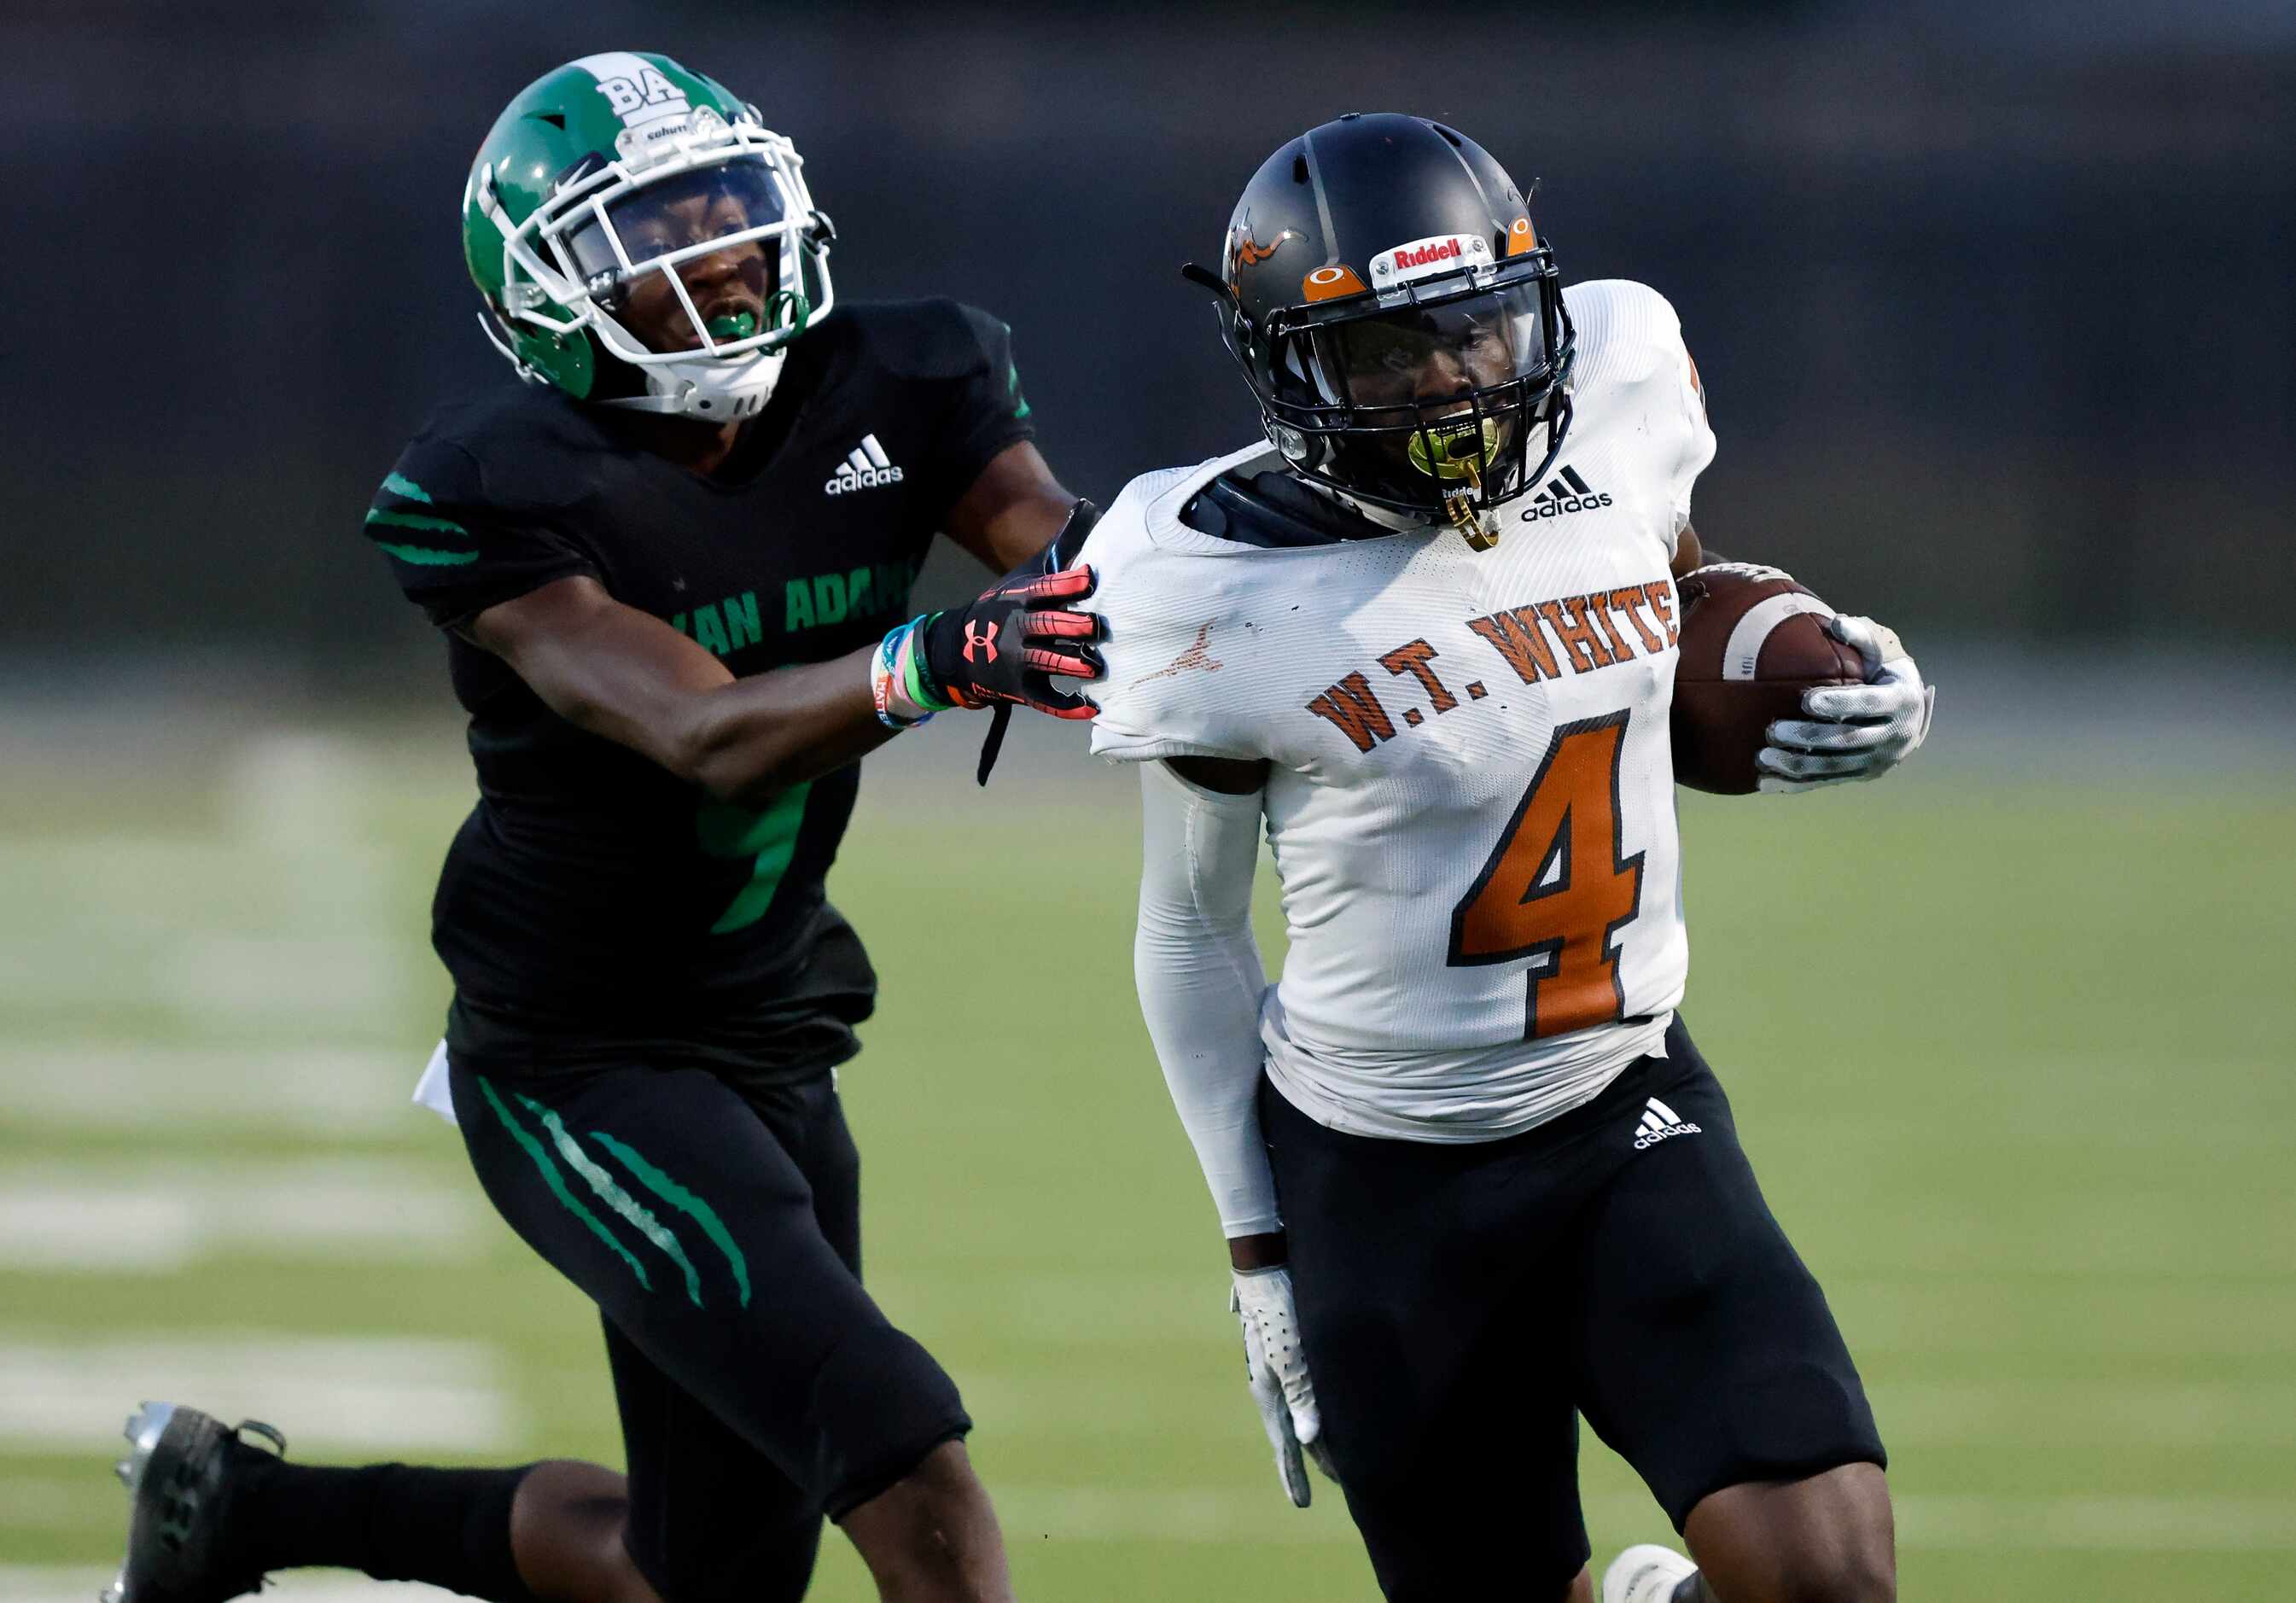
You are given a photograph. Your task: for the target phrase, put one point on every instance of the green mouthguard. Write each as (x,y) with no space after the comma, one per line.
(734,325)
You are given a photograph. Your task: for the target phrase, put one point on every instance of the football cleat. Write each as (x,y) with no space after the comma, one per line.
(179,1475)
(1647,1574)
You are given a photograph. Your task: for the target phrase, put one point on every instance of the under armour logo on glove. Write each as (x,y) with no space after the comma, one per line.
(1009,645)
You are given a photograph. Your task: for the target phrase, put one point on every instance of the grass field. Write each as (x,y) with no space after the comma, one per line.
(2012,1061)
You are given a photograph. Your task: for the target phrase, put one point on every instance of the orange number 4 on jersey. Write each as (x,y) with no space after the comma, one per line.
(1555,889)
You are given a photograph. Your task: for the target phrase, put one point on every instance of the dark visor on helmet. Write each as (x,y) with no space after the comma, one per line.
(1420,354)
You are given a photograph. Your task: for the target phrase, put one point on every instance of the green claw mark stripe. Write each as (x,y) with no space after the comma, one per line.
(610,1193)
(768,837)
(415,520)
(1013,381)
(422,556)
(677,1196)
(391,517)
(557,1182)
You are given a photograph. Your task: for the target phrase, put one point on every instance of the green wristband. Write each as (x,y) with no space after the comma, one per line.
(917,679)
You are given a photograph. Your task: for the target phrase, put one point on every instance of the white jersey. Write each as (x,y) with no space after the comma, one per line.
(1470,804)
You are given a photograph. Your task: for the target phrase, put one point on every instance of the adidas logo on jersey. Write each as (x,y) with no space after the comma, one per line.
(1659,1122)
(1565,492)
(866,467)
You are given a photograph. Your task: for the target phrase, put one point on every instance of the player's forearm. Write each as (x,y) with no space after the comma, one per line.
(1200,979)
(1217,1108)
(627,676)
(1203,1019)
(1268,1249)
(744,741)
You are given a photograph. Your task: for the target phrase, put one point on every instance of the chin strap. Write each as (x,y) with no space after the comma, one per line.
(680,404)
(1480,530)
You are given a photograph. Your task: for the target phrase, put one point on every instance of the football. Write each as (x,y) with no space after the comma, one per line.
(1752,641)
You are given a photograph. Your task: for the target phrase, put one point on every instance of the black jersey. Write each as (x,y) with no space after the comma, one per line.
(594,907)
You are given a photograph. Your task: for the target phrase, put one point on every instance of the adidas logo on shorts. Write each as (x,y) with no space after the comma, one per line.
(1659,1123)
(864,467)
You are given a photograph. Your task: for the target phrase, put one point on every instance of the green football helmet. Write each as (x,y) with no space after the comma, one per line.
(620,166)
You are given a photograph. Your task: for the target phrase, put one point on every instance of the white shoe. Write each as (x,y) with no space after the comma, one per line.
(1647,1574)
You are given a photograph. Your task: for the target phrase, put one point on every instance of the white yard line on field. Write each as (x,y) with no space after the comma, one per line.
(2099,1525)
(136,1087)
(2104,1412)
(1926,1522)
(112,1217)
(72,1583)
(281,915)
(2114,1524)
(334,1393)
(1934,1521)
(1166,1514)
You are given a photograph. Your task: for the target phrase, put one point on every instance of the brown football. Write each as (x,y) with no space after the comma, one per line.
(1752,641)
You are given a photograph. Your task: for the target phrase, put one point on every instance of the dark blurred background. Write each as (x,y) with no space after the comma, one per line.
(1992,302)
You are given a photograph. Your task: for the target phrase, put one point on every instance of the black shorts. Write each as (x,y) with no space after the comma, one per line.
(1460,1305)
(719,1233)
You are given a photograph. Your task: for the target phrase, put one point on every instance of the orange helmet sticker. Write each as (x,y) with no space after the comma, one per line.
(1332,283)
(1521,237)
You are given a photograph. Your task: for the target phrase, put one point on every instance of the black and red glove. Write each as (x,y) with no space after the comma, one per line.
(1007,644)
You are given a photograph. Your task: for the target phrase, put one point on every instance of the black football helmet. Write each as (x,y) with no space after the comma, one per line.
(1398,319)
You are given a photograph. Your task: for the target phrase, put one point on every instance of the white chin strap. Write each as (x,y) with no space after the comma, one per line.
(712,389)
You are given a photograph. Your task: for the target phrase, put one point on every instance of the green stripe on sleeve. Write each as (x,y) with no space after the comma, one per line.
(611,1194)
(399,484)
(557,1182)
(423,556)
(677,1196)
(415,520)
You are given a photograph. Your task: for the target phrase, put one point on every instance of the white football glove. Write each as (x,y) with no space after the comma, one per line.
(1276,1367)
(1853,731)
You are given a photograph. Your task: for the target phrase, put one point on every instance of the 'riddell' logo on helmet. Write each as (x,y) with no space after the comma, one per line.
(1425,257)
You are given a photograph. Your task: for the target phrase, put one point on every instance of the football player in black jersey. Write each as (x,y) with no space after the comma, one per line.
(673,571)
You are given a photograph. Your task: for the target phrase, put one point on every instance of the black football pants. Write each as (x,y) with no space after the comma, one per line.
(719,1233)
(1461,1305)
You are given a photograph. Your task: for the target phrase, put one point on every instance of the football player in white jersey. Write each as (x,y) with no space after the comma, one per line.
(1476,1181)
